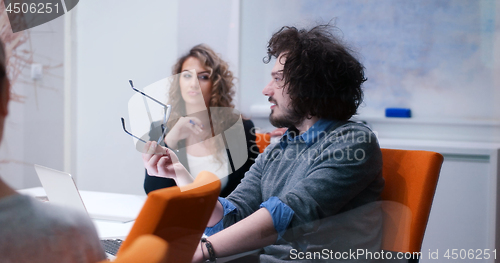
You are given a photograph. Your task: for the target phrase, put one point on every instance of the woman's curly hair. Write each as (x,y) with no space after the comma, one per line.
(221,97)
(220,75)
(321,75)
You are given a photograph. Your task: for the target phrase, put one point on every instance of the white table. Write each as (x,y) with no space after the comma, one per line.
(99,203)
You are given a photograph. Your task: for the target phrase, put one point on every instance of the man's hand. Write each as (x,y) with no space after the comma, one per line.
(162,162)
(152,154)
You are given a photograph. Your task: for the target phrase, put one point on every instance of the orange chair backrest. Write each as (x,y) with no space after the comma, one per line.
(262,140)
(145,249)
(410,180)
(179,215)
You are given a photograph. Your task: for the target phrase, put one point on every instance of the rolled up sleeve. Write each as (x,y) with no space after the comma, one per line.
(280,213)
(228,208)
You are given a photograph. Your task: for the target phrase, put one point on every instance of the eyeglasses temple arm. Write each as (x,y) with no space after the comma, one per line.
(167,108)
(123,124)
(144,94)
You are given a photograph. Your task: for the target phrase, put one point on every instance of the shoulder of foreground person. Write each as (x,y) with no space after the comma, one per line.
(41,232)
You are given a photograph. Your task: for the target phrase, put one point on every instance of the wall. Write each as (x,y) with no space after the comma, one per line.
(116,42)
(34,127)
(140,43)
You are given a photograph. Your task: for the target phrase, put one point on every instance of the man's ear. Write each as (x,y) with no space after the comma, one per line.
(5,97)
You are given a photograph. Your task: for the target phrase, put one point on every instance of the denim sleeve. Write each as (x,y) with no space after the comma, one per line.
(229,208)
(280,212)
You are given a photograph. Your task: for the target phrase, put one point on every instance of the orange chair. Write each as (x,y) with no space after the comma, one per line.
(262,140)
(410,180)
(145,249)
(179,215)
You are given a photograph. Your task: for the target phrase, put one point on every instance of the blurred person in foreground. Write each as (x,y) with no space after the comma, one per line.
(32,231)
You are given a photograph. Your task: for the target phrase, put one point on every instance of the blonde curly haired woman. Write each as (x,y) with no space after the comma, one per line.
(191,131)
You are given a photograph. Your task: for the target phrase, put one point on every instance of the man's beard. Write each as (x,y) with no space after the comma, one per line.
(287,120)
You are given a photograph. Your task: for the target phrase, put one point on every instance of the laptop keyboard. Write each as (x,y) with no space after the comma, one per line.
(111,246)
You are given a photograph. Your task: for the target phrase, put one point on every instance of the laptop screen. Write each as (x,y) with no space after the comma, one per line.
(60,188)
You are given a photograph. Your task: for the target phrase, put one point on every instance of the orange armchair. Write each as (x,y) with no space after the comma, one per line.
(178,215)
(410,181)
(262,140)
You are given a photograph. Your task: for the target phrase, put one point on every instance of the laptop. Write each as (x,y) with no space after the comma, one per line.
(61,189)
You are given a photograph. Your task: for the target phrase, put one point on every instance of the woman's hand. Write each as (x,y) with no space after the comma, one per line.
(162,162)
(184,127)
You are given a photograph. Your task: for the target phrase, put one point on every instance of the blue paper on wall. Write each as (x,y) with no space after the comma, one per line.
(398,113)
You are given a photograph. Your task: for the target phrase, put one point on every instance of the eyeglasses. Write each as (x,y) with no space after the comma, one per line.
(166,115)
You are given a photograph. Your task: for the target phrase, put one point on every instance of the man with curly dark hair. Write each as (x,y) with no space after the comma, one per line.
(293,200)
(321,77)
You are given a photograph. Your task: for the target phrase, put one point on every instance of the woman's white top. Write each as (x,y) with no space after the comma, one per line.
(209,163)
